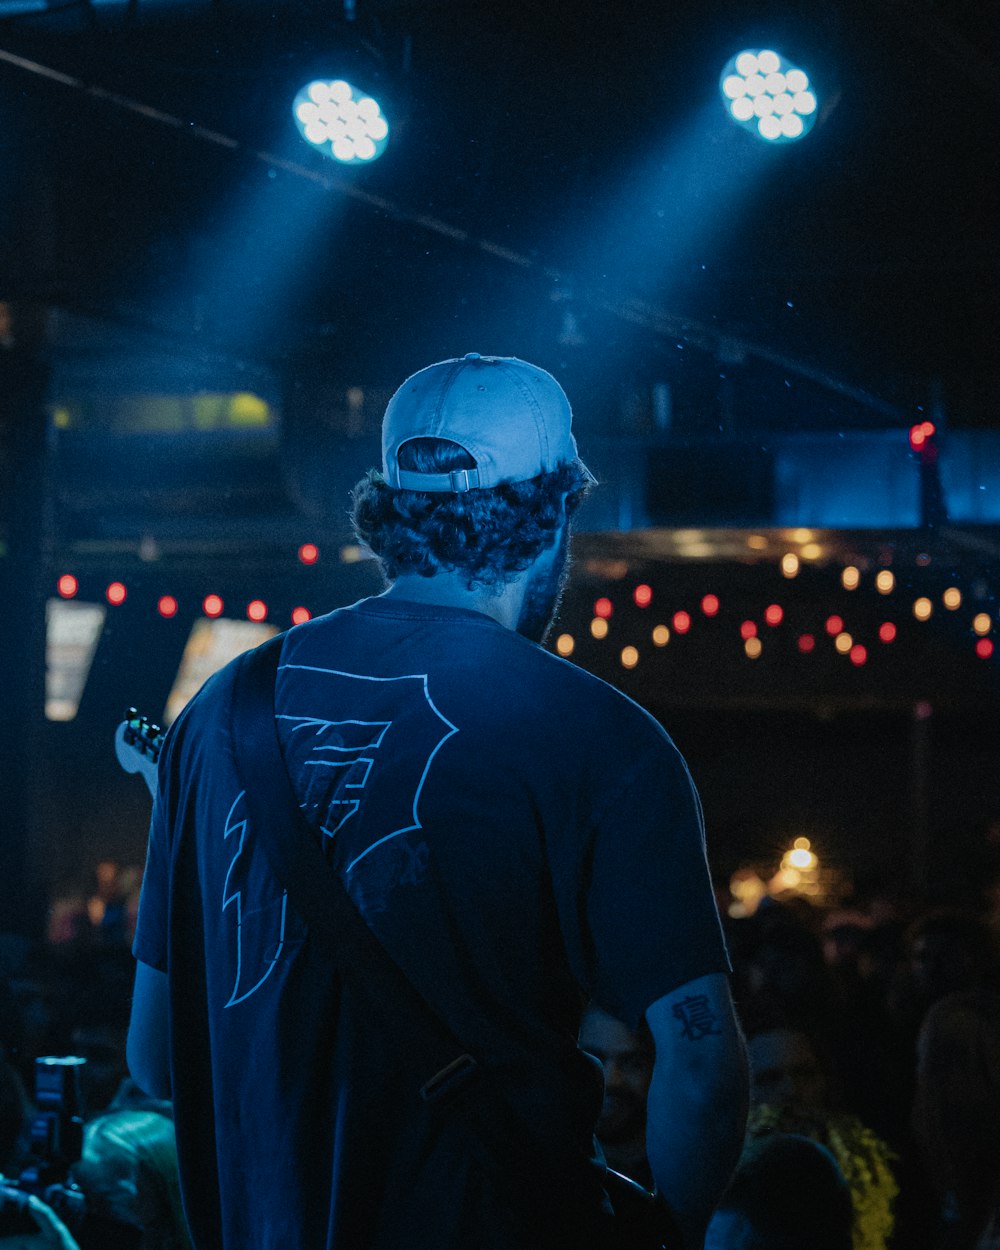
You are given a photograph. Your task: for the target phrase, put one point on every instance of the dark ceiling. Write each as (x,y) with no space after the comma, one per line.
(561,181)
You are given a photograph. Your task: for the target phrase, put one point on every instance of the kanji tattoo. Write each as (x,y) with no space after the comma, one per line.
(697,1017)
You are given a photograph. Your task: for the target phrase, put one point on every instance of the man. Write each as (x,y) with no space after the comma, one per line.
(627,1059)
(519,837)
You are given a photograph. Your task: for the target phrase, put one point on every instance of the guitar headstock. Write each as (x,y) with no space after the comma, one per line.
(137,745)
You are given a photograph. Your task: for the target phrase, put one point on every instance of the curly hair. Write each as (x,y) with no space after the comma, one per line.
(487,535)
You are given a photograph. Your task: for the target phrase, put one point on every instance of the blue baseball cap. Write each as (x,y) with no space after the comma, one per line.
(512,418)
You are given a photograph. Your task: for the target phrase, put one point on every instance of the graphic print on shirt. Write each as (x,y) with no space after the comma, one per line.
(258,907)
(359,750)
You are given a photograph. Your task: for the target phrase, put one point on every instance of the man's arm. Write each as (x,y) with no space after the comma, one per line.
(147,1049)
(698,1099)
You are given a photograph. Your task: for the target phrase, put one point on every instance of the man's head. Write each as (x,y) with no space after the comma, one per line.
(627,1059)
(480,473)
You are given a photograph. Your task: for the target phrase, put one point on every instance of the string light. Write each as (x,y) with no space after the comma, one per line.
(116,594)
(843,642)
(212,605)
(850,578)
(167,606)
(984,648)
(789,564)
(682,622)
(753,647)
(748,629)
(885,582)
(807,643)
(300,615)
(952,598)
(565,644)
(643,595)
(887,631)
(599,627)
(308,553)
(629,657)
(834,625)
(257,610)
(922,609)
(858,654)
(774,614)
(982,623)
(603,608)
(710,605)
(661,636)
(67,585)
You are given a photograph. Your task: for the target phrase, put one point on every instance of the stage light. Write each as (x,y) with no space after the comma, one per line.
(629,657)
(603,608)
(682,622)
(643,596)
(887,631)
(300,616)
(341,121)
(565,644)
(885,582)
(67,585)
(167,606)
(661,636)
(116,593)
(212,605)
(257,610)
(769,96)
(308,553)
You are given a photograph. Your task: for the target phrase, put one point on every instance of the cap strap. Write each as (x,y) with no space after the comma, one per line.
(457,482)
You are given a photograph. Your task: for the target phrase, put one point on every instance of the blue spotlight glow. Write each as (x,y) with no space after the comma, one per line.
(769,96)
(343,122)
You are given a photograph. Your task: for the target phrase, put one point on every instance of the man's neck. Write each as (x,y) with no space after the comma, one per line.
(449,591)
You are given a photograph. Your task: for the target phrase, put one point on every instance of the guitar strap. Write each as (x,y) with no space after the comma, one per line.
(456,1081)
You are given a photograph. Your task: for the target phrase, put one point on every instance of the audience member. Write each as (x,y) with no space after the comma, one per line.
(956,1116)
(627,1059)
(788,1194)
(129,1173)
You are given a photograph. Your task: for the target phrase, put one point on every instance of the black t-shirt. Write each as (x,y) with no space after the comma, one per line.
(520,837)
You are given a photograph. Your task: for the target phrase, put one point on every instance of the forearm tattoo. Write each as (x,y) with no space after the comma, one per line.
(697,1018)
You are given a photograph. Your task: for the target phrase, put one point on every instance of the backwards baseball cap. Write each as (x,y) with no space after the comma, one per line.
(511,417)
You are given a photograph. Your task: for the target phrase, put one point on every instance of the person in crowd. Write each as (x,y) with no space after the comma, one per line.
(788,1193)
(128,1171)
(627,1058)
(795,1089)
(956,1116)
(519,837)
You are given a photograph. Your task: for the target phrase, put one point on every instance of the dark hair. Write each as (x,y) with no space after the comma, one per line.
(488,535)
(791,1192)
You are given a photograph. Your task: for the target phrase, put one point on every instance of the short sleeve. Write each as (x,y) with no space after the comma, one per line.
(150,943)
(651,915)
